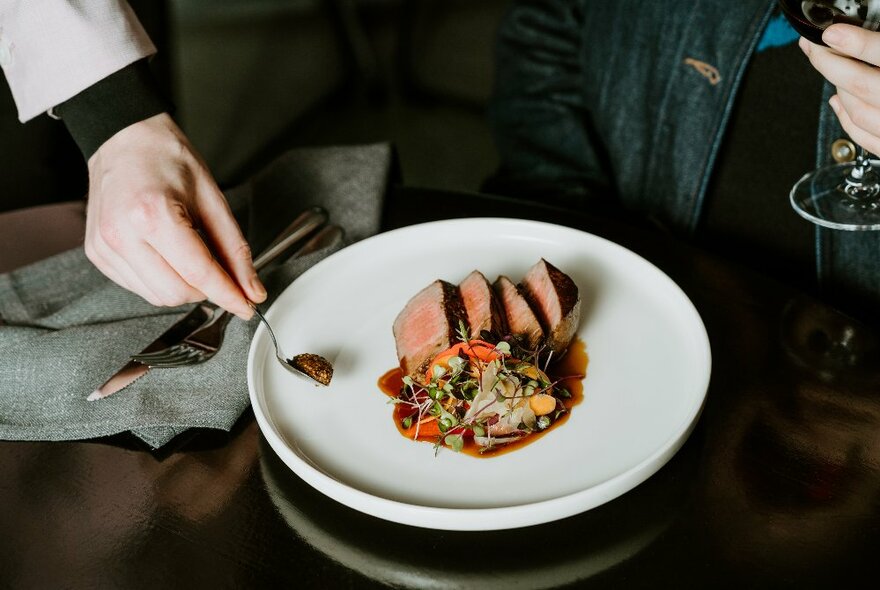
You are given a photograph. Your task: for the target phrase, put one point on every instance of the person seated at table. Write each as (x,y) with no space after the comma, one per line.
(157,224)
(699,118)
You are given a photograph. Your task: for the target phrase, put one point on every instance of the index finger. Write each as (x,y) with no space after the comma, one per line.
(227,242)
(182,247)
(853,75)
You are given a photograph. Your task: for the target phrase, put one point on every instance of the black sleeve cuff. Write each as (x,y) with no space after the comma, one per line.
(125,97)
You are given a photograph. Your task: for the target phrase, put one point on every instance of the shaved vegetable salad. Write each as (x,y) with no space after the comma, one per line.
(481,393)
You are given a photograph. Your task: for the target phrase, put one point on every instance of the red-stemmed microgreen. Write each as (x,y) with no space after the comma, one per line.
(450,391)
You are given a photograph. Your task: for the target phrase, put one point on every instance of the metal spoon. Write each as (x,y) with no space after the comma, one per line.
(309,366)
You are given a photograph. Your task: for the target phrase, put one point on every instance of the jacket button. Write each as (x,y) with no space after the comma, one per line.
(843,150)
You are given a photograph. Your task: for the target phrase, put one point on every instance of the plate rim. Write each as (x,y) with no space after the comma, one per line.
(489,518)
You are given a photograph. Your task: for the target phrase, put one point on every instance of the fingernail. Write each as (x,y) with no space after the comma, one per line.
(834,102)
(804,45)
(833,36)
(257,288)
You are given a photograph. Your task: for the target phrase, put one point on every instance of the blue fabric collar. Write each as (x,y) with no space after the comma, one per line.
(778,33)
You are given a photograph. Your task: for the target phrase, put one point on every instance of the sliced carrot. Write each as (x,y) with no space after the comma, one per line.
(479,349)
(430,429)
(427,428)
(542,404)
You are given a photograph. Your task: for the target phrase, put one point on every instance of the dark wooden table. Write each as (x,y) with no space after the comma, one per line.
(778,486)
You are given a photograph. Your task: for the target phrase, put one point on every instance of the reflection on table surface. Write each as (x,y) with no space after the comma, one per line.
(545,556)
(777,486)
(790,478)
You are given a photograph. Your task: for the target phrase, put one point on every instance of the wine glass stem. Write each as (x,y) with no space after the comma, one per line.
(862,166)
(862,182)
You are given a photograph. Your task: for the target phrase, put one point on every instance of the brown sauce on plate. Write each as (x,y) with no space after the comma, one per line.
(570,370)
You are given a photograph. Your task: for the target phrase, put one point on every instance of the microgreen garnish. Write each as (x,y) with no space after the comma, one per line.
(503,347)
(483,396)
(462,332)
(454,441)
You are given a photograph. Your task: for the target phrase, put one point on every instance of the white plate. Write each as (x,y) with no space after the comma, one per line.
(646,379)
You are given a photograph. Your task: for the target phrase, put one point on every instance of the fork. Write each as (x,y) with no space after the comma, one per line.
(204,343)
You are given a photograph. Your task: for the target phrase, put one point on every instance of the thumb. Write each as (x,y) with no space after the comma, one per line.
(853,41)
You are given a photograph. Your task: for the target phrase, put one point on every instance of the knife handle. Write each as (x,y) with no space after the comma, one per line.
(325,237)
(307,222)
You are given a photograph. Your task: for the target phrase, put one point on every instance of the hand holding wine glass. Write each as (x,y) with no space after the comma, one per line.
(850,62)
(842,43)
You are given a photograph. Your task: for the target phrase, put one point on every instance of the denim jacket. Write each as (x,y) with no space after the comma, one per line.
(628,100)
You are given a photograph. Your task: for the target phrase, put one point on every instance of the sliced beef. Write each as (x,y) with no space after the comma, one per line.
(555,299)
(427,325)
(484,311)
(521,319)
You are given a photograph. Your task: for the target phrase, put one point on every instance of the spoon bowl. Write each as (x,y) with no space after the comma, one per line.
(312,367)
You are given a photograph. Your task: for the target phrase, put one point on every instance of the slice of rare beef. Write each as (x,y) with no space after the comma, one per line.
(484,311)
(556,301)
(521,320)
(426,326)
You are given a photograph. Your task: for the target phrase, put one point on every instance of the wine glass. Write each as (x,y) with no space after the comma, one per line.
(839,196)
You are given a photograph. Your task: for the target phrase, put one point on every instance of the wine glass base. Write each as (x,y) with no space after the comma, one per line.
(824,198)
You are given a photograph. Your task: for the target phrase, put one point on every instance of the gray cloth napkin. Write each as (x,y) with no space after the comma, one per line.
(66,328)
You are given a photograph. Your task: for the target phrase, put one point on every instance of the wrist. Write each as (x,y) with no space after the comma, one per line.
(99,112)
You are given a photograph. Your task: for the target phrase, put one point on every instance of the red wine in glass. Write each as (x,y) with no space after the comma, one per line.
(840,196)
(811,17)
